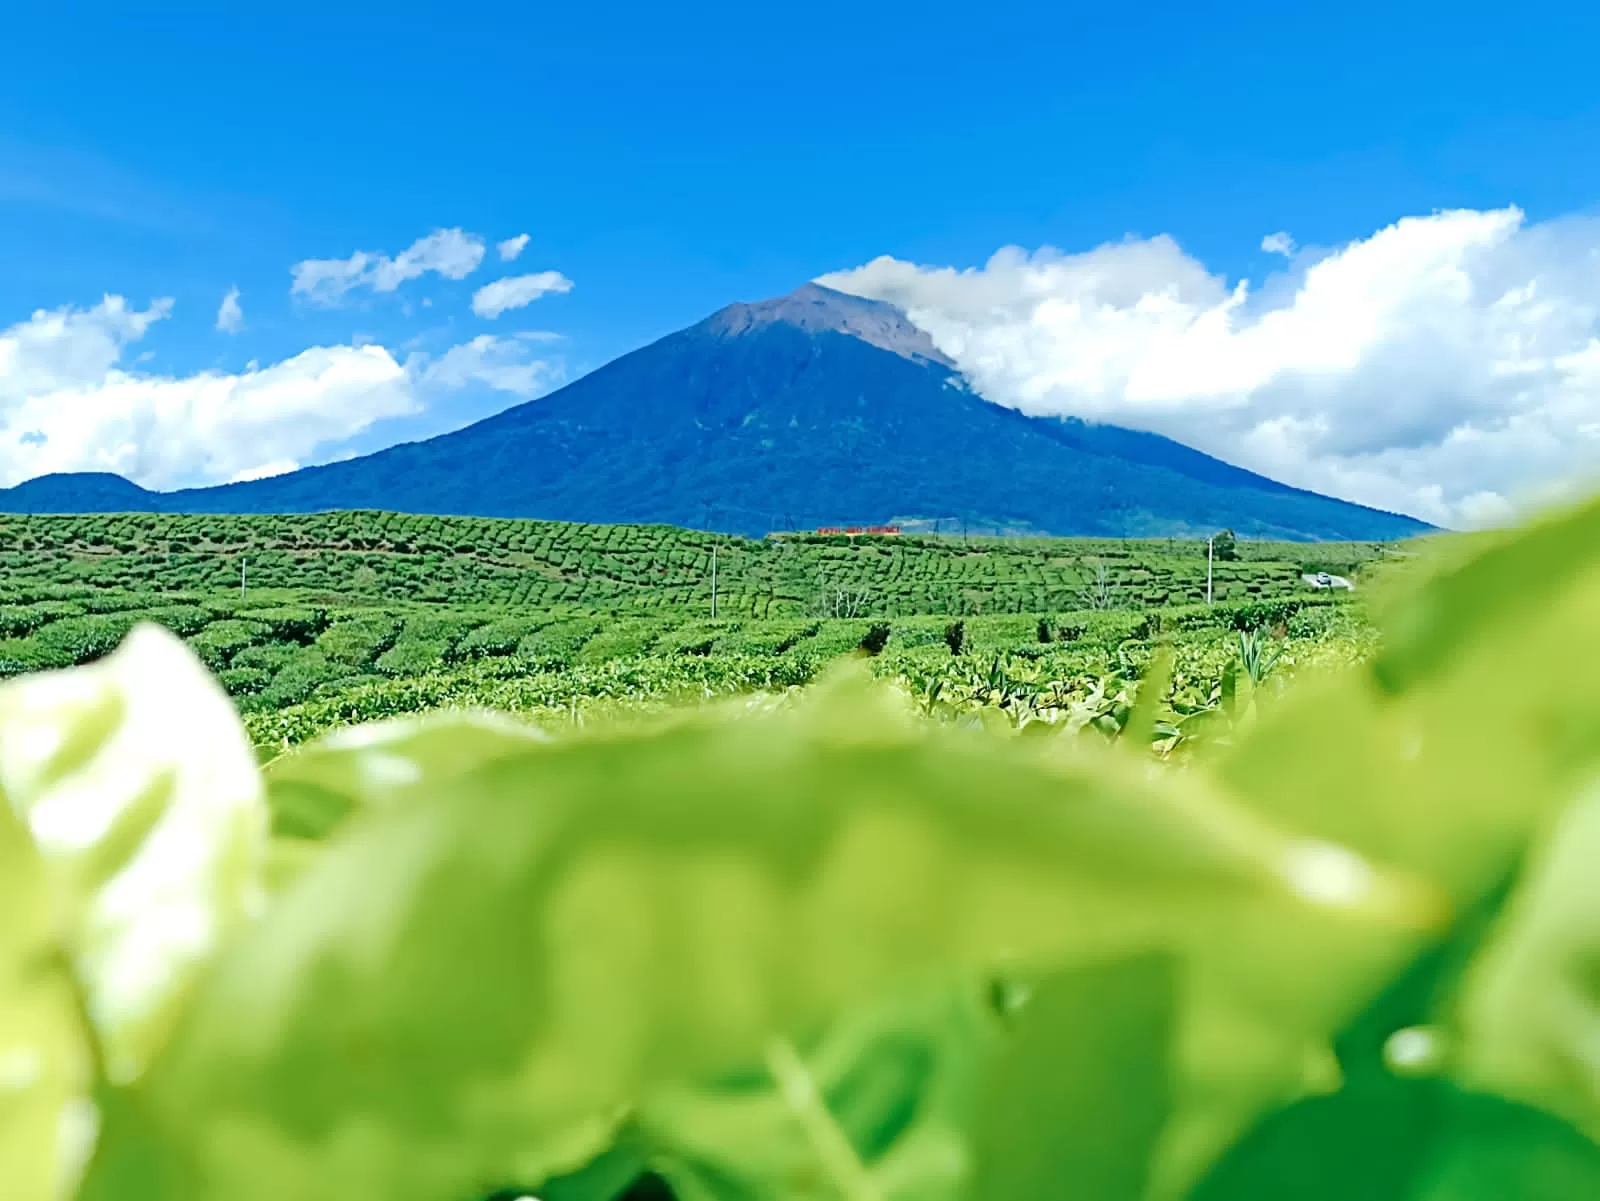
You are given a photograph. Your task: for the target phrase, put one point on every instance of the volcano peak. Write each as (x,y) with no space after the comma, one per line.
(816,309)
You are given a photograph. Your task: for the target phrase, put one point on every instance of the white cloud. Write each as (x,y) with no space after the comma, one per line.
(447,252)
(1446,366)
(498,363)
(66,348)
(68,404)
(328,281)
(264,471)
(453,254)
(512,247)
(230,317)
(517,291)
(1278,243)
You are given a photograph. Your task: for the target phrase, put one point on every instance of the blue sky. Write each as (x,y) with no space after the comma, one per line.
(669,159)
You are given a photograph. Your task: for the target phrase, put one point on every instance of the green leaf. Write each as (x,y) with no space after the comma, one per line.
(473,986)
(1358,1144)
(1416,1002)
(142,793)
(603,1178)
(1530,1007)
(1506,579)
(313,789)
(1075,1102)
(1410,1141)
(1448,755)
(1407,1140)
(897,1081)
(1153,687)
(44,1064)
(1497,1150)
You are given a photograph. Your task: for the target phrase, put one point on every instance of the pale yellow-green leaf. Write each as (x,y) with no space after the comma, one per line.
(44,1065)
(314,788)
(141,790)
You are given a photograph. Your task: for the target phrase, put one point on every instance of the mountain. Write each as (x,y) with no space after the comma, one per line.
(815,408)
(81,492)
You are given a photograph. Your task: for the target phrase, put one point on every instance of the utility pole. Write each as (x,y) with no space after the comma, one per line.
(242,562)
(1210,550)
(713,581)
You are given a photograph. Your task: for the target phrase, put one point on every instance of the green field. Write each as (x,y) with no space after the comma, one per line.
(311,621)
(344,557)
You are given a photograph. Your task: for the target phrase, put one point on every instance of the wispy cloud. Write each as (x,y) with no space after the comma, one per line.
(517,291)
(498,363)
(230,317)
(512,247)
(450,253)
(1278,243)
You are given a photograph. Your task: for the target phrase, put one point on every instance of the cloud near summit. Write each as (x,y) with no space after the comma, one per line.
(1446,366)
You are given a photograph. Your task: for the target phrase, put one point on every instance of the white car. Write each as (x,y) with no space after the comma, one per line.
(1324,579)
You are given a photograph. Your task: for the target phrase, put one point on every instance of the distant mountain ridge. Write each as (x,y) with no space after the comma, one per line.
(811,409)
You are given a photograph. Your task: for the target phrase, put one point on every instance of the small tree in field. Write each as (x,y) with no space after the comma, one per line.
(1225,546)
(1099,591)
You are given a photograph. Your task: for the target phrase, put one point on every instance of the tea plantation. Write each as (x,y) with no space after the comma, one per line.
(316,620)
